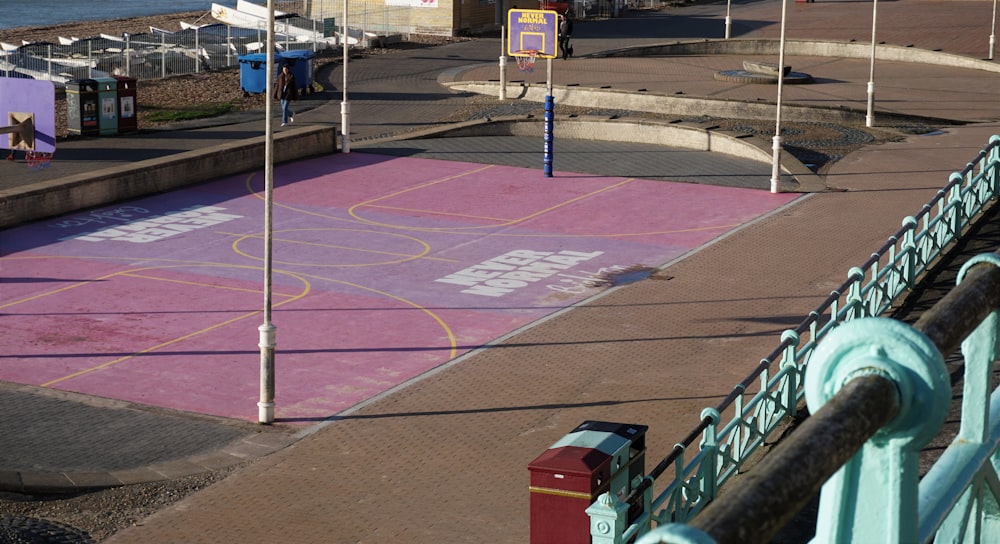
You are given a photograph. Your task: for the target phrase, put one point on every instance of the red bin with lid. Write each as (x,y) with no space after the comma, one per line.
(127,121)
(568,477)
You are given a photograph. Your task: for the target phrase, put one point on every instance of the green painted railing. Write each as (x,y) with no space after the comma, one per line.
(870,290)
(879,392)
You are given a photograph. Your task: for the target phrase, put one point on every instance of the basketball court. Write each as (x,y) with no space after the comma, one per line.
(384,268)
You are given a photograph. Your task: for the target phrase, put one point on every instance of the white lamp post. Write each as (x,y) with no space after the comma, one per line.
(870,117)
(729,20)
(776,141)
(345,106)
(993,30)
(265,408)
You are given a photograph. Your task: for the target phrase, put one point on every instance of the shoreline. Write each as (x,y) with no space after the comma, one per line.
(131,25)
(88,29)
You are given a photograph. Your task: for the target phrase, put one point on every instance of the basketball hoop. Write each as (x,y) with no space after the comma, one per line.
(37,160)
(526,59)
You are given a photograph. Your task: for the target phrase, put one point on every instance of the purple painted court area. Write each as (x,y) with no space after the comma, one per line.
(384,268)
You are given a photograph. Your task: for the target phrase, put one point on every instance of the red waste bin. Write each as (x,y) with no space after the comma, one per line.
(568,477)
(127,121)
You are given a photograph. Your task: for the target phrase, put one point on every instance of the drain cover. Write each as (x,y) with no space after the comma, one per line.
(25,530)
(743,76)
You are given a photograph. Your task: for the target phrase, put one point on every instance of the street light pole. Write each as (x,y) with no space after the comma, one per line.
(870,117)
(729,20)
(503,64)
(993,30)
(345,106)
(776,141)
(265,408)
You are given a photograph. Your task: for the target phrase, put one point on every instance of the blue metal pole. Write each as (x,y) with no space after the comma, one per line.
(547,168)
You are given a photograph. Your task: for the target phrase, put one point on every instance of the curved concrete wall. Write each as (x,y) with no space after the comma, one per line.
(689,106)
(678,135)
(806,48)
(660,103)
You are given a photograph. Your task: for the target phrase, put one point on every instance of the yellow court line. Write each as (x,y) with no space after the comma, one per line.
(612,234)
(366,203)
(199,284)
(572,200)
(504,224)
(434,212)
(356,219)
(106,276)
(332,246)
(306,290)
(406,258)
(53,292)
(427,184)
(260,196)
(452,341)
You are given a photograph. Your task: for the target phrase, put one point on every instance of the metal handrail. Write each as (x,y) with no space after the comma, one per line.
(891,270)
(792,474)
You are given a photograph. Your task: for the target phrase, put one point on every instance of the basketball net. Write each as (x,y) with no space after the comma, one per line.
(37,160)
(526,60)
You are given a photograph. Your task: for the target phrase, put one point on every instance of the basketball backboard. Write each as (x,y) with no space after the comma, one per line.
(532,30)
(27,115)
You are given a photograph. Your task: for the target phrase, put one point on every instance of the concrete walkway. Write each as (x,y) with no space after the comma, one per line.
(444,459)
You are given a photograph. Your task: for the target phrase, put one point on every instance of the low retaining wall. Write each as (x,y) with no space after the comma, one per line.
(696,106)
(805,48)
(64,195)
(682,135)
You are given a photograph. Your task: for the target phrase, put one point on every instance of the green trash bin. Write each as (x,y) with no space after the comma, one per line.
(107,97)
(81,107)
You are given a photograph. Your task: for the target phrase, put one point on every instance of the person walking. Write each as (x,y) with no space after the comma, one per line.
(286,89)
(565,31)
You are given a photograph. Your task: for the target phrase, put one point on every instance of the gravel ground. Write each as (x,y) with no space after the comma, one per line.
(91,517)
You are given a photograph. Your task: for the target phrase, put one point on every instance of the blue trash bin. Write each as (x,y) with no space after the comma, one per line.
(253,78)
(301,62)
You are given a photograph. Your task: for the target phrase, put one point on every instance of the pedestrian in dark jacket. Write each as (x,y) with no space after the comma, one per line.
(286,89)
(565,31)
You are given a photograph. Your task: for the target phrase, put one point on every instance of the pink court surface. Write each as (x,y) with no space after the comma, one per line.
(384,268)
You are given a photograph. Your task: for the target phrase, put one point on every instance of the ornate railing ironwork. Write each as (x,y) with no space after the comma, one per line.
(869,291)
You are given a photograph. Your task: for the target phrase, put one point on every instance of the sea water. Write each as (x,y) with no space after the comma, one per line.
(16,13)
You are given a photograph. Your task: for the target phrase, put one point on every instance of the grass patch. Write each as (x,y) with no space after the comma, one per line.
(197,111)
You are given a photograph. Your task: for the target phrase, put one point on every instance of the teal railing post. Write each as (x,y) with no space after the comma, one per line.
(608,520)
(873,497)
(854,304)
(790,363)
(994,166)
(959,495)
(675,533)
(709,471)
(909,248)
(646,524)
